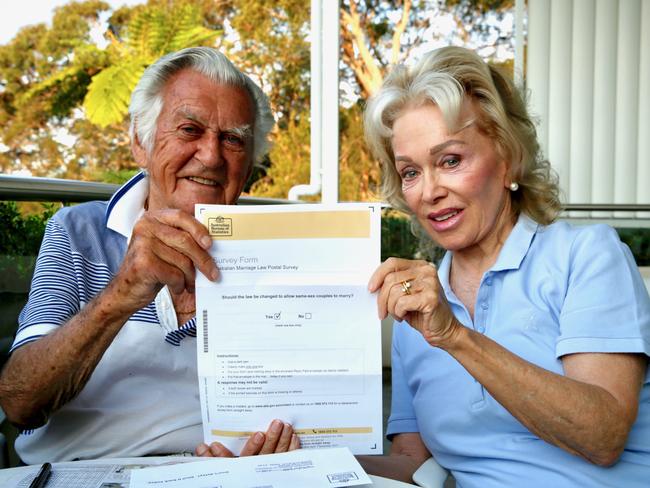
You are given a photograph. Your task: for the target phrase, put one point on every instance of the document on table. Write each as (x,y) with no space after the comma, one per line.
(313,468)
(117,473)
(98,473)
(290,330)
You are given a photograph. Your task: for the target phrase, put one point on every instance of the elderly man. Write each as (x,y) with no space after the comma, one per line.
(104,360)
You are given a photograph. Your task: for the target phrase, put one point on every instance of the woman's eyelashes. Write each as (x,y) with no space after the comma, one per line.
(450,162)
(408,174)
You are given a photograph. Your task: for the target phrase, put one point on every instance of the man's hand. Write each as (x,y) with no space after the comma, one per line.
(165,247)
(278,438)
(42,376)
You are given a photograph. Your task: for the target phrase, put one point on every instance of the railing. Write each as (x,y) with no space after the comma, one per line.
(36,189)
(607,207)
(51,189)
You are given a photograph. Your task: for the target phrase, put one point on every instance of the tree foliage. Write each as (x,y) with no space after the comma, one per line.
(32,119)
(269,42)
(377,34)
(59,82)
(151,32)
(289,159)
(372,32)
(22,234)
(359,173)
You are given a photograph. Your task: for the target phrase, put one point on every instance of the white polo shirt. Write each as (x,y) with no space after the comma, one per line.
(143,396)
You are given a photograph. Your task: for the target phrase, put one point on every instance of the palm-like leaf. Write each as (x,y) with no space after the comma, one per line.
(195,36)
(46,84)
(108,96)
(147,31)
(187,30)
(85,60)
(151,33)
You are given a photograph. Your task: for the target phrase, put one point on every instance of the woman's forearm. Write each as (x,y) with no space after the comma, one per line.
(580,417)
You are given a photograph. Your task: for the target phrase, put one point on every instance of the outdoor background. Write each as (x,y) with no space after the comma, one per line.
(65,84)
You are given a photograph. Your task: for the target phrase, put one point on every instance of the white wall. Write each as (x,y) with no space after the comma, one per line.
(588,78)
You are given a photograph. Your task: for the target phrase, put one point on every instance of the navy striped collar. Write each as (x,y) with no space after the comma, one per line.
(127,204)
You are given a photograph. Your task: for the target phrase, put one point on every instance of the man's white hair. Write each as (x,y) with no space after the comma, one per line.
(146,99)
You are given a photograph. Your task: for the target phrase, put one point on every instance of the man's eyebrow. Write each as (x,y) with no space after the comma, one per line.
(188,114)
(243,131)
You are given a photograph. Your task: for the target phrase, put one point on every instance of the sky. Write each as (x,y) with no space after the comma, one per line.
(27,12)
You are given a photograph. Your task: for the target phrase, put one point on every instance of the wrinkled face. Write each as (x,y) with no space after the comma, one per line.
(203,147)
(455,183)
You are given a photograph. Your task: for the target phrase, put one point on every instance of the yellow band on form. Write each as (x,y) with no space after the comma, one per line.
(312,431)
(292,225)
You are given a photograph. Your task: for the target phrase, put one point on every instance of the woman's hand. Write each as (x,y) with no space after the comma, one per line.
(410,290)
(278,438)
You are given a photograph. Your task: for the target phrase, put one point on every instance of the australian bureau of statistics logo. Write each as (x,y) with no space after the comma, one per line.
(220,226)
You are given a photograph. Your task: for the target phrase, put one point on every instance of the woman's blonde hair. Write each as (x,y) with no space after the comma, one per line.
(446,77)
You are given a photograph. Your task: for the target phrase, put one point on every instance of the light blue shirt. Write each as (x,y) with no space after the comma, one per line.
(554,290)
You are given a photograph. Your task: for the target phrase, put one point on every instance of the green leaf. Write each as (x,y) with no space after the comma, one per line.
(109,92)
(147,31)
(194,36)
(46,84)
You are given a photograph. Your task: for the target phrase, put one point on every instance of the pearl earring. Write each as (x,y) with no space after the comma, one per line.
(514,186)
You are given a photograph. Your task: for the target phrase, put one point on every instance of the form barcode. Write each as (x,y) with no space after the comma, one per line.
(205,331)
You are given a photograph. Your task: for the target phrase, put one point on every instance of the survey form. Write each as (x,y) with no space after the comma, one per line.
(290,330)
(315,468)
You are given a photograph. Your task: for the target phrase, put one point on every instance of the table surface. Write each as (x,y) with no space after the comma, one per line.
(12,477)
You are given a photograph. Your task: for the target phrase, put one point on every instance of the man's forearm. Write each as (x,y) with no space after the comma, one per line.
(42,376)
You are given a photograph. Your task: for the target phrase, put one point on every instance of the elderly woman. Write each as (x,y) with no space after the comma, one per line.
(521,359)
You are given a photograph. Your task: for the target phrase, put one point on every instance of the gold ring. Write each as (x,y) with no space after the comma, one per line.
(406,287)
